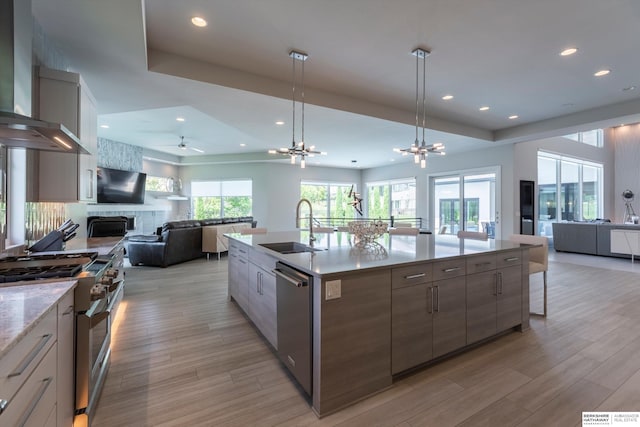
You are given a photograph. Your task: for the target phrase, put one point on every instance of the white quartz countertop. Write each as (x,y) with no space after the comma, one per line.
(23,305)
(341,254)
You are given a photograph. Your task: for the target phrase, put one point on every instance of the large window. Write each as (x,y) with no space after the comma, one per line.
(591,137)
(329,200)
(159,184)
(568,190)
(221,199)
(392,198)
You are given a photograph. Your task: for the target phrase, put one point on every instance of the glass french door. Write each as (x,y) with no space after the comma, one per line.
(465,201)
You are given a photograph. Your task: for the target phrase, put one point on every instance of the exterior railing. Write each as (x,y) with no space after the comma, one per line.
(344,222)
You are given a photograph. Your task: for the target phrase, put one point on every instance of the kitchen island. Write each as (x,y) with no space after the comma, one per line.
(385,308)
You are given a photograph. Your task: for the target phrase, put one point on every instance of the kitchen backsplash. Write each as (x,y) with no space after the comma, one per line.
(41,218)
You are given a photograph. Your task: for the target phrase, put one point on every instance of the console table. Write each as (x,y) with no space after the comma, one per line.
(625,242)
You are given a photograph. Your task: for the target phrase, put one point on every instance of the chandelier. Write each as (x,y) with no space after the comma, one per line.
(298,149)
(420,149)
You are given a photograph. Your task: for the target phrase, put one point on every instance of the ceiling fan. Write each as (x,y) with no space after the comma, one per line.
(184,146)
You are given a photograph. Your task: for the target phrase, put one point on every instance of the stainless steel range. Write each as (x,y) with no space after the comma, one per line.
(100,289)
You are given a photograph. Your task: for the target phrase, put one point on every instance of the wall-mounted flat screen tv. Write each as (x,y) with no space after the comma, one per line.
(118,186)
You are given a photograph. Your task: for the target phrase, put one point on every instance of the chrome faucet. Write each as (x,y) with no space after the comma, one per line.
(311,236)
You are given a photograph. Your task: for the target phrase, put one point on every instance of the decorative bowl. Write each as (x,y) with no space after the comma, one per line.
(367,231)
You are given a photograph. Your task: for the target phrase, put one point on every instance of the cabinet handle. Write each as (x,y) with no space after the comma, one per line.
(430,310)
(31,356)
(450,270)
(414,276)
(32,406)
(3,405)
(257,282)
(90,187)
(499,283)
(437,299)
(478,264)
(511,259)
(69,311)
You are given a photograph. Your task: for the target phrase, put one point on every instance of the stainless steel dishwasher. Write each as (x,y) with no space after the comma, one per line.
(294,322)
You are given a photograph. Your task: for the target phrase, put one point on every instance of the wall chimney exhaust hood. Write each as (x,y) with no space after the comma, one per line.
(21,131)
(17,128)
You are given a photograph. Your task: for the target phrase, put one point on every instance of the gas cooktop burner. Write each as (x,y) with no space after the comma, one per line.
(41,272)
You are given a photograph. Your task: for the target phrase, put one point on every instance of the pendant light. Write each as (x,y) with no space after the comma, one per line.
(419,149)
(298,149)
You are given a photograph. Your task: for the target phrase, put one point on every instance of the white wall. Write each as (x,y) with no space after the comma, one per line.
(626,140)
(276,186)
(526,166)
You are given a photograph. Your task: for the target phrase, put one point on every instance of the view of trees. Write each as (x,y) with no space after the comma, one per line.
(379,201)
(216,207)
(328,200)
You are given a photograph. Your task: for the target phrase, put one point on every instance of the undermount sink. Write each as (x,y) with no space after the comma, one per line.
(290,247)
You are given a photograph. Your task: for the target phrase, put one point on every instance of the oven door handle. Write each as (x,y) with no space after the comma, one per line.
(97,318)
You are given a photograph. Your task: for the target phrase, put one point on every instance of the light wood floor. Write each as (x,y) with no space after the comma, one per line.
(184,355)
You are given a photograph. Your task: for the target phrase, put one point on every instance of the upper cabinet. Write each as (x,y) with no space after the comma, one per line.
(65,177)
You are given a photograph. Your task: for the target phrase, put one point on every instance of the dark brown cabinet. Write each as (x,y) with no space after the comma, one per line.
(449,315)
(494,297)
(411,327)
(428,319)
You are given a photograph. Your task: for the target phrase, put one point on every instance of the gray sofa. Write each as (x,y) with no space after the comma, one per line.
(593,238)
(177,241)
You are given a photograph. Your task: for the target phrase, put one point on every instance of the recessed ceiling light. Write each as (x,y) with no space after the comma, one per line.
(569,51)
(447,97)
(104,126)
(483,108)
(628,88)
(601,73)
(180,119)
(279,122)
(243,145)
(199,21)
(515,116)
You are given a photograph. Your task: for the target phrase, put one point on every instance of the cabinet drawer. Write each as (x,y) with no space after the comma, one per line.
(409,276)
(480,263)
(263,260)
(509,258)
(19,363)
(238,249)
(35,400)
(448,269)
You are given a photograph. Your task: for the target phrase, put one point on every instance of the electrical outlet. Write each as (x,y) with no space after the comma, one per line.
(333,289)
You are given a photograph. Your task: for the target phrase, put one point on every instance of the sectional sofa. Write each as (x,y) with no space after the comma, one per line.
(176,241)
(593,238)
